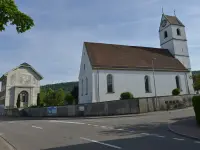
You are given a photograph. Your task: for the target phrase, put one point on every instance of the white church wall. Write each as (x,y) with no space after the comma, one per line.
(170,46)
(133,81)
(180,47)
(87,72)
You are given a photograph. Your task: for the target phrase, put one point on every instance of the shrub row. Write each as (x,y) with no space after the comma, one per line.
(196,105)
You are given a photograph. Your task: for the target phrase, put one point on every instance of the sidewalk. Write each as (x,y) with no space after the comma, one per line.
(186,127)
(4,145)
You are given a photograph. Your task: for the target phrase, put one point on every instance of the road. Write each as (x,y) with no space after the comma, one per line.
(140,132)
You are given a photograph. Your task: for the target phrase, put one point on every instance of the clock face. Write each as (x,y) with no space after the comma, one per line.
(163,23)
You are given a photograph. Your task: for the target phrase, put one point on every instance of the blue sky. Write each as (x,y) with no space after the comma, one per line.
(53,47)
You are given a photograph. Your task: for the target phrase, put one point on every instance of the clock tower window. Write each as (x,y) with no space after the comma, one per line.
(165,34)
(178,32)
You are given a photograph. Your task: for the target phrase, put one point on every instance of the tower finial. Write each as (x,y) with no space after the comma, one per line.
(174,12)
(162,10)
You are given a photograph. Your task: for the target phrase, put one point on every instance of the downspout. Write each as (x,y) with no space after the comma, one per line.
(98,96)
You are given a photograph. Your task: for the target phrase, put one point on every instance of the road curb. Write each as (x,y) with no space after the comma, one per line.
(8,144)
(182,134)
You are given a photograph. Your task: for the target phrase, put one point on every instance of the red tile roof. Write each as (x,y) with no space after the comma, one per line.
(111,56)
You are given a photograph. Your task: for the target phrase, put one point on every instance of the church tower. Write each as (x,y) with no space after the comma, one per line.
(173,37)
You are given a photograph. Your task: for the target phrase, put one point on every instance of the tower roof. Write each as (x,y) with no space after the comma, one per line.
(173,20)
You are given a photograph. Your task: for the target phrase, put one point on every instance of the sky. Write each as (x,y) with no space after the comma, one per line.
(53,47)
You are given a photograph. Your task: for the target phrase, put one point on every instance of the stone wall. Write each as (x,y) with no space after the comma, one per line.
(116,107)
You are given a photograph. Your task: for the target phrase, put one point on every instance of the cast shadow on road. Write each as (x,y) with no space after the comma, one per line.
(128,141)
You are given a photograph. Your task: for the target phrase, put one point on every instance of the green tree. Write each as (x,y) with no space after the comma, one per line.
(196,80)
(18,101)
(42,96)
(74,93)
(49,98)
(69,99)
(60,97)
(9,13)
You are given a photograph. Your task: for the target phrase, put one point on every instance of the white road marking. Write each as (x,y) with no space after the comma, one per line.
(145,133)
(197,142)
(160,136)
(11,122)
(95,125)
(103,126)
(37,127)
(89,124)
(178,139)
(58,121)
(105,144)
(120,129)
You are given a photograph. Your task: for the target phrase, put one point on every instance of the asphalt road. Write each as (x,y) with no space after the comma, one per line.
(142,132)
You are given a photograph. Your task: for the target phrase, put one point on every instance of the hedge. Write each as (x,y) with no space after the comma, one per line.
(126,95)
(196,105)
(175,92)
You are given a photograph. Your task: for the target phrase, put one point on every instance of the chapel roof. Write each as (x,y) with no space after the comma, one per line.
(26,65)
(112,56)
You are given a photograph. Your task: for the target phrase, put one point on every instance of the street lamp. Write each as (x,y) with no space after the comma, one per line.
(154,80)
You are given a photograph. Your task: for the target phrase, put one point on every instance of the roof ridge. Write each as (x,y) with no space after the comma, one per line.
(127,45)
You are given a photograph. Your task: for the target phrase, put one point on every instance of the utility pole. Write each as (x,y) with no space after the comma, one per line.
(154,80)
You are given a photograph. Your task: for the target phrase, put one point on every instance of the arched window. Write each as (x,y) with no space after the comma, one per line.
(178,32)
(86,86)
(109,83)
(82,87)
(147,84)
(165,34)
(178,86)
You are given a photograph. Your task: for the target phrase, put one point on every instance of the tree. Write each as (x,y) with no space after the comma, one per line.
(18,101)
(41,98)
(74,93)
(69,99)
(60,97)
(196,80)
(9,13)
(49,98)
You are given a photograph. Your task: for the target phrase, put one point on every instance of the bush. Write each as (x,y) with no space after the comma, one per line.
(126,95)
(175,92)
(196,105)
(33,106)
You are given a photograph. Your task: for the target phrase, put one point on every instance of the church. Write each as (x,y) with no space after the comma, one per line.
(107,70)
(20,84)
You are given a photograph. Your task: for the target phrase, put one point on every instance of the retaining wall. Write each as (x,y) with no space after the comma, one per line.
(116,107)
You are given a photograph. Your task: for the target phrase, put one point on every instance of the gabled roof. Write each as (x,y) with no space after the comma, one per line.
(173,20)
(26,65)
(111,56)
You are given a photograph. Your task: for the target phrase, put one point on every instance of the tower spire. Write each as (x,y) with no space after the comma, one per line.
(162,10)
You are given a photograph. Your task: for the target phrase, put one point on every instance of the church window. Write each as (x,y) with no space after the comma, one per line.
(147,84)
(86,86)
(109,83)
(178,32)
(165,34)
(178,85)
